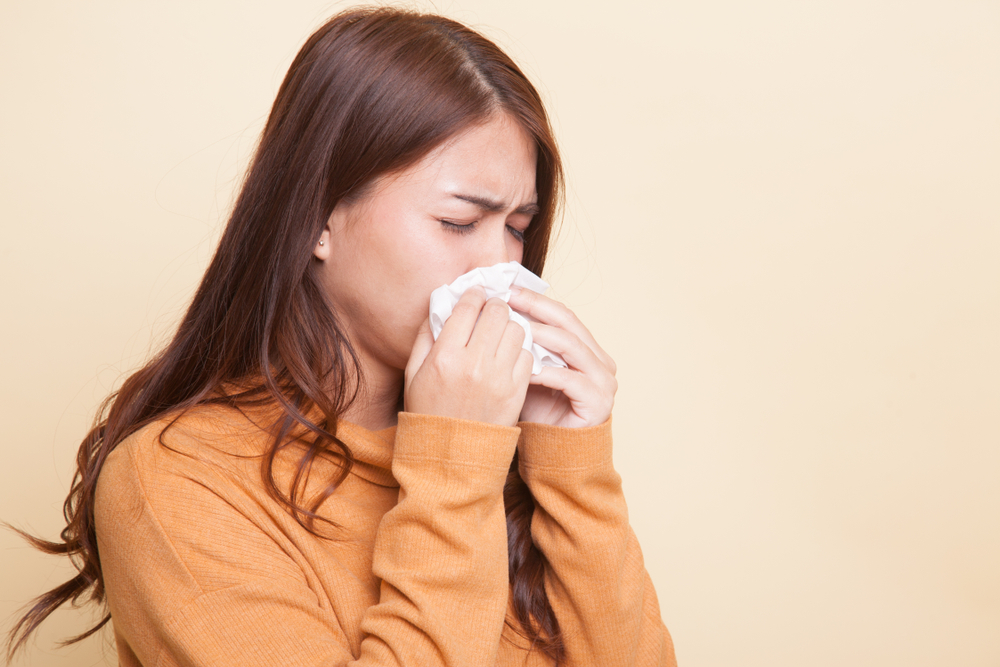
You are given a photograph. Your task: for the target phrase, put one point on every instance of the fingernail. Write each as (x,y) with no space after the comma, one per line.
(514,289)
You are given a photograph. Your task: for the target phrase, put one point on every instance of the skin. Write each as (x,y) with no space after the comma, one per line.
(382,256)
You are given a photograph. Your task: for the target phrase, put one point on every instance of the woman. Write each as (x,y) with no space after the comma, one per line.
(305,476)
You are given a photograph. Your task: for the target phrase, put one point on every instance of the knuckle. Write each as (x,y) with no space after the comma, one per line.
(496,307)
(574,343)
(564,314)
(474,293)
(441,365)
(465,308)
(472,373)
(516,332)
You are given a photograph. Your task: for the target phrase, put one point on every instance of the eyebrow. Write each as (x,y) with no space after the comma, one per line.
(494,206)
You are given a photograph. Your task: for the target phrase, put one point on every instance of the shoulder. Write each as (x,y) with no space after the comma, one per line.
(182,515)
(168,464)
(188,493)
(202,439)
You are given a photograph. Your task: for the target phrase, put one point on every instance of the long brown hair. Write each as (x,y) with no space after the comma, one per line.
(371,92)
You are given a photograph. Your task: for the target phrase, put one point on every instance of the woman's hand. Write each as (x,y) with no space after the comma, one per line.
(476,369)
(584,393)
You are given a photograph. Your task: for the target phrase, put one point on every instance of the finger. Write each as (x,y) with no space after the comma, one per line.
(574,351)
(458,329)
(523,366)
(490,326)
(511,345)
(421,348)
(549,311)
(591,402)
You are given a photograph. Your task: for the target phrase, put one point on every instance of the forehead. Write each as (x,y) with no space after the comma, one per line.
(495,159)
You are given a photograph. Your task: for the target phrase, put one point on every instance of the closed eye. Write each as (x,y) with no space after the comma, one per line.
(459,227)
(466,227)
(516,233)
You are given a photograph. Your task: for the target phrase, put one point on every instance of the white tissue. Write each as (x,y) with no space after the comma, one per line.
(497,281)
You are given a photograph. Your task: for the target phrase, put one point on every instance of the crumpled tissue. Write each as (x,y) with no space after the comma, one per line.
(497,281)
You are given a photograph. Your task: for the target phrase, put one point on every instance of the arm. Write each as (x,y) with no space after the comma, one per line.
(597,586)
(441,552)
(203,568)
(596,583)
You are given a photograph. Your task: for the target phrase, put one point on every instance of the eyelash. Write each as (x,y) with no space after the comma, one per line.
(467,227)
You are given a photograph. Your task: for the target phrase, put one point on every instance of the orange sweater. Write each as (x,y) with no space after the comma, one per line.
(203,567)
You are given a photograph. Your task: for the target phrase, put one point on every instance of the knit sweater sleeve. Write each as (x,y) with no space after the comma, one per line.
(441,552)
(601,594)
(200,570)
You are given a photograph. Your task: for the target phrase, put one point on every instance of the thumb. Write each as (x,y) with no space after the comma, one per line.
(421,348)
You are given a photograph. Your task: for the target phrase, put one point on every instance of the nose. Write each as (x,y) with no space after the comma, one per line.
(496,248)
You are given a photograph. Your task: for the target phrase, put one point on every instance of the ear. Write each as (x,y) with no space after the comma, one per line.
(335,225)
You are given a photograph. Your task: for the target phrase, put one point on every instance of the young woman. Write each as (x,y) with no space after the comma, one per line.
(305,476)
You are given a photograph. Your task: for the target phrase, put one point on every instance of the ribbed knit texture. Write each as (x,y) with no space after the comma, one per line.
(203,567)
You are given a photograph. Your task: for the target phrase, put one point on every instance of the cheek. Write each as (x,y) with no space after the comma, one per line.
(410,267)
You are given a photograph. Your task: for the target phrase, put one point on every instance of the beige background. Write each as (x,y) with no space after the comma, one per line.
(783,222)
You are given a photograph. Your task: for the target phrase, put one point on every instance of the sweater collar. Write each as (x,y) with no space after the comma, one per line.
(372,452)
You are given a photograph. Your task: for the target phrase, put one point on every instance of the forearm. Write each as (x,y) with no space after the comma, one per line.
(596,582)
(441,552)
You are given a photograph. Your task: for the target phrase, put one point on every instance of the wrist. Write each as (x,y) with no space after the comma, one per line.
(547,446)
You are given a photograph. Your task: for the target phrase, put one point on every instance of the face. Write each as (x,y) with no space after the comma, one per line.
(466,204)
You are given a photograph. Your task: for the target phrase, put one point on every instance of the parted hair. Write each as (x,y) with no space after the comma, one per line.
(370,93)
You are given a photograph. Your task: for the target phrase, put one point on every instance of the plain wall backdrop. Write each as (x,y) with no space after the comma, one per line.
(783,222)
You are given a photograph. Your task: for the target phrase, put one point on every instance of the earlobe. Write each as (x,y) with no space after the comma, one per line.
(321,250)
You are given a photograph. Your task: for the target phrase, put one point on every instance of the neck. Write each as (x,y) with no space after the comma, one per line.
(379,400)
